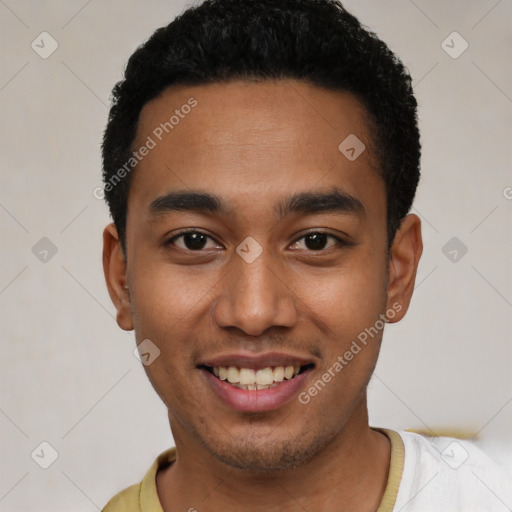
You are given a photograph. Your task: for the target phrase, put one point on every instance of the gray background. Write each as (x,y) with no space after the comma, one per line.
(69,376)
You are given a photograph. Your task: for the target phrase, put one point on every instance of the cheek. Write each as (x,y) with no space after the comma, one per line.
(163,294)
(348,299)
(348,311)
(171,307)
(166,305)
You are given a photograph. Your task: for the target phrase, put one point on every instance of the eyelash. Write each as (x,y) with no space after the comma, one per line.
(338,240)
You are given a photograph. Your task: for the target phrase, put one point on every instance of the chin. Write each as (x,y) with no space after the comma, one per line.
(266,454)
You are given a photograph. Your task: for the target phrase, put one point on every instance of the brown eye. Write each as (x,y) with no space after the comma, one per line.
(191,241)
(317,241)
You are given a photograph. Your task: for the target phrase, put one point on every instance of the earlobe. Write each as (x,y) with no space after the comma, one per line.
(114,268)
(405,255)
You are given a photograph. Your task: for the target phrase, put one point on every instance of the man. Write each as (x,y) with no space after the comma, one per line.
(260,161)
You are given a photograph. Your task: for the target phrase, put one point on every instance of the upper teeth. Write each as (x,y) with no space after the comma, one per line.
(263,377)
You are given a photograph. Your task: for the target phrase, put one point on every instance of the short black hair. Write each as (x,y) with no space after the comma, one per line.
(316,41)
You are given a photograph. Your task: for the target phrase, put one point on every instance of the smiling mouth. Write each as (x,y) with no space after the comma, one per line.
(250,379)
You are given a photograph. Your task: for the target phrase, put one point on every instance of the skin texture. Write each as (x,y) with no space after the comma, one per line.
(253,145)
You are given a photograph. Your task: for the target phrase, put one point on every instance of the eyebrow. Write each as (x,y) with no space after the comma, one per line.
(306,203)
(309,203)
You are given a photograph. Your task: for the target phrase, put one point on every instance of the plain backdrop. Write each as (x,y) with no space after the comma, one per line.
(69,377)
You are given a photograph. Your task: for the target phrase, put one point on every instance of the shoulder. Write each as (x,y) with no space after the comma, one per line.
(444,473)
(142,497)
(125,501)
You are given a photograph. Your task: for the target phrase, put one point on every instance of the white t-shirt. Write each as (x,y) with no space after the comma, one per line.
(442,474)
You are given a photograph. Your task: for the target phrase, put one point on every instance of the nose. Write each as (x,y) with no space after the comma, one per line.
(254,297)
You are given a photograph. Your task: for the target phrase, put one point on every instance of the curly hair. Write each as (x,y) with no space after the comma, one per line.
(316,41)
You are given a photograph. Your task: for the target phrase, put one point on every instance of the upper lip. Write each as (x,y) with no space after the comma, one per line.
(255,361)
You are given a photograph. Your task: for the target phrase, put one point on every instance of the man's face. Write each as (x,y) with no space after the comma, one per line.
(311,278)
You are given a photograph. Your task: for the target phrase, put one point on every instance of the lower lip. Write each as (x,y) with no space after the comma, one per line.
(258,400)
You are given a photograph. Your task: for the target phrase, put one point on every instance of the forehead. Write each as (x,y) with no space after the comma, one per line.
(245,139)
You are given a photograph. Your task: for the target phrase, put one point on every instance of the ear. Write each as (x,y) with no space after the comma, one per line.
(114,268)
(405,253)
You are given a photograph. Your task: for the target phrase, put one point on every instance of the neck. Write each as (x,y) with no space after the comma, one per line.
(348,474)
